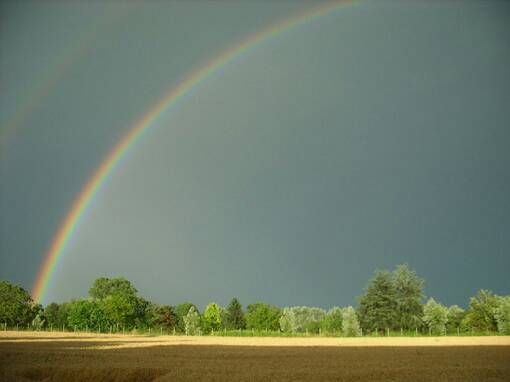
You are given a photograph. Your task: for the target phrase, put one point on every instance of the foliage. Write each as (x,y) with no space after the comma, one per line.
(502,315)
(481,313)
(262,316)
(298,319)
(378,306)
(409,296)
(233,316)
(391,301)
(211,319)
(350,323)
(435,316)
(192,321)
(455,316)
(16,305)
(332,323)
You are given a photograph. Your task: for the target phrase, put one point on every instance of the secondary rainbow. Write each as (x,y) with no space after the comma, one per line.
(69,225)
(50,78)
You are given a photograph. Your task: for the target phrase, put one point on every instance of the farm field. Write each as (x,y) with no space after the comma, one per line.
(44,356)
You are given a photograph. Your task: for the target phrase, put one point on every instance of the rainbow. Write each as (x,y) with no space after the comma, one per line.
(69,226)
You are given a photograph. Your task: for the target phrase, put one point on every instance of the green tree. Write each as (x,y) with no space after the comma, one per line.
(481,313)
(79,314)
(409,296)
(88,315)
(455,316)
(211,319)
(332,323)
(435,316)
(16,305)
(63,315)
(51,315)
(118,299)
(378,306)
(192,322)
(350,323)
(262,316)
(122,309)
(181,311)
(234,316)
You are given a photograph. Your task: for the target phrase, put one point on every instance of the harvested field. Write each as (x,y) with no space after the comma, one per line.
(28,356)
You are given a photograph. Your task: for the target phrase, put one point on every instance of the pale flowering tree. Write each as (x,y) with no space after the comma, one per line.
(192,321)
(503,315)
(286,320)
(435,316)
(302,318)
(38,322)
(350,323)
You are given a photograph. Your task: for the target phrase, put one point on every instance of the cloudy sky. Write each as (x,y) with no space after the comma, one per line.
(374,135)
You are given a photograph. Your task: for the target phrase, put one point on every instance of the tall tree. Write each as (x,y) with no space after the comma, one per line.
(234,316)
(378,306)
(409,296)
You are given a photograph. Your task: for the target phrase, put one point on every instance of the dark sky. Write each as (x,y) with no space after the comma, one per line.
(376,135)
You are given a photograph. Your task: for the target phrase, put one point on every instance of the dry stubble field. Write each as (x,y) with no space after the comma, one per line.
(29,356)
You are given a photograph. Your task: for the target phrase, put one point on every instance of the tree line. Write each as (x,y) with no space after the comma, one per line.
(392,301)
